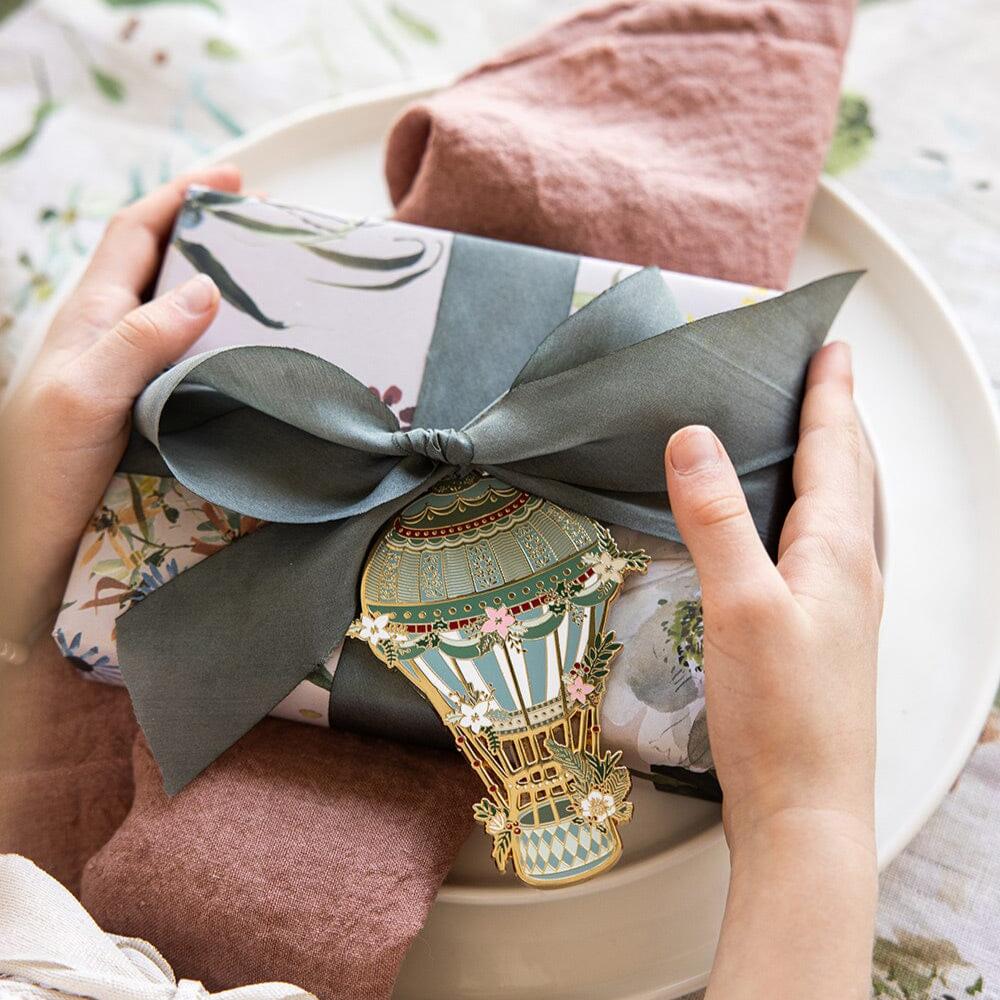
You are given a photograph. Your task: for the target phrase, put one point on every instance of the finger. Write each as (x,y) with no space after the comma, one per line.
(828,457)
(830,527)
(712,515)
(831,471)
(128,256)
(150,338)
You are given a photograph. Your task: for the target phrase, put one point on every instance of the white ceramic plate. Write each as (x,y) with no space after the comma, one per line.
(648,929)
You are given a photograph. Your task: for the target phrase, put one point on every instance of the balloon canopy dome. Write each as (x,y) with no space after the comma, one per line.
(472,543)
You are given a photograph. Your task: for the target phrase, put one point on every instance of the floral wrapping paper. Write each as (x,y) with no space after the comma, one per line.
(364,295)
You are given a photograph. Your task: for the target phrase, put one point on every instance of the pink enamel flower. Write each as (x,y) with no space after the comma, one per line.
(498,620)
(578,689)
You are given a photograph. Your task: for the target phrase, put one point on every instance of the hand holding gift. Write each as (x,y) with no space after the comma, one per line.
(67,423)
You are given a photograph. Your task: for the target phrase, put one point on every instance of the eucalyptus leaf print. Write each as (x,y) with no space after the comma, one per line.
(208,197)
(853,136)
(8,7)
(370,263)
(312,233)
(413,25)
(202,259)
(126,4)
(110,86)
(219,48)
(255,225)
(386,286)
(23,143)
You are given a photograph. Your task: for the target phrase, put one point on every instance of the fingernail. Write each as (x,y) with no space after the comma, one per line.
(197,295)
(841,349)
(693,449)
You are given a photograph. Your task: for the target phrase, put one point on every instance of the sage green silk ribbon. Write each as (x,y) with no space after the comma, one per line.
(283,435)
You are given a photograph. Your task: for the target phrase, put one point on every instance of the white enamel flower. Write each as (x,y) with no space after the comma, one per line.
(474,717)
(608,567)
(597,806)
(496,823)
(374,630)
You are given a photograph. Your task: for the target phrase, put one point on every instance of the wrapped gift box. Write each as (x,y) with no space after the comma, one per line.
(365,294)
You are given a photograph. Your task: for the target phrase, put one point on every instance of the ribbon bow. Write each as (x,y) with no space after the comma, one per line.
(285,436)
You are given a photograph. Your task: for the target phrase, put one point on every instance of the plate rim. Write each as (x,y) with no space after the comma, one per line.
(864,217)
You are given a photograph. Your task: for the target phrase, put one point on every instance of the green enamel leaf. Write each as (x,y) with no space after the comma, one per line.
(110,86)
(219,48)
(576,765)
(413,25)
(483,810)
(20,146)
(202,259)
(853,136)
(210,4)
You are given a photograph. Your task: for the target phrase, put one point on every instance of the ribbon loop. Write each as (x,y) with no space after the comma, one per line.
(449,446)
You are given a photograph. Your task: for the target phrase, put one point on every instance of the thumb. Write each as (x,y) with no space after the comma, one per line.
(150,338)
(712,515)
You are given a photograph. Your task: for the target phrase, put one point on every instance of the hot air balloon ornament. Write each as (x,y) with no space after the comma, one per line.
(493,603)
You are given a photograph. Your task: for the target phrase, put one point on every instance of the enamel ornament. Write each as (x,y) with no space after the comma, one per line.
(493,603)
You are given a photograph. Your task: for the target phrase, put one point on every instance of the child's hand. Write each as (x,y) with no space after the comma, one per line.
(790,654)
(66,425)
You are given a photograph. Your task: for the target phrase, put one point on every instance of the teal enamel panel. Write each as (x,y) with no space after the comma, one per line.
(489,669)
(441,668)
(537,663)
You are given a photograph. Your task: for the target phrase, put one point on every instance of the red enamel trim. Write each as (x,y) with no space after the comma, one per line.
(455,529)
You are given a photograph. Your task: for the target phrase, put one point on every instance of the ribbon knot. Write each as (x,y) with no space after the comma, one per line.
(448,446)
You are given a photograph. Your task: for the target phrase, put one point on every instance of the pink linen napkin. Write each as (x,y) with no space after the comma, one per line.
(683,133)
(65,763)
(300,855)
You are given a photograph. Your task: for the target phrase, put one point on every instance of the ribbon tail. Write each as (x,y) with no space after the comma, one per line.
(591,437)
(636,308)
(368,698)
(208,655)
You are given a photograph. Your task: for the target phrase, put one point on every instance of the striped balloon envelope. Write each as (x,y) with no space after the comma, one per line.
(493,602)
